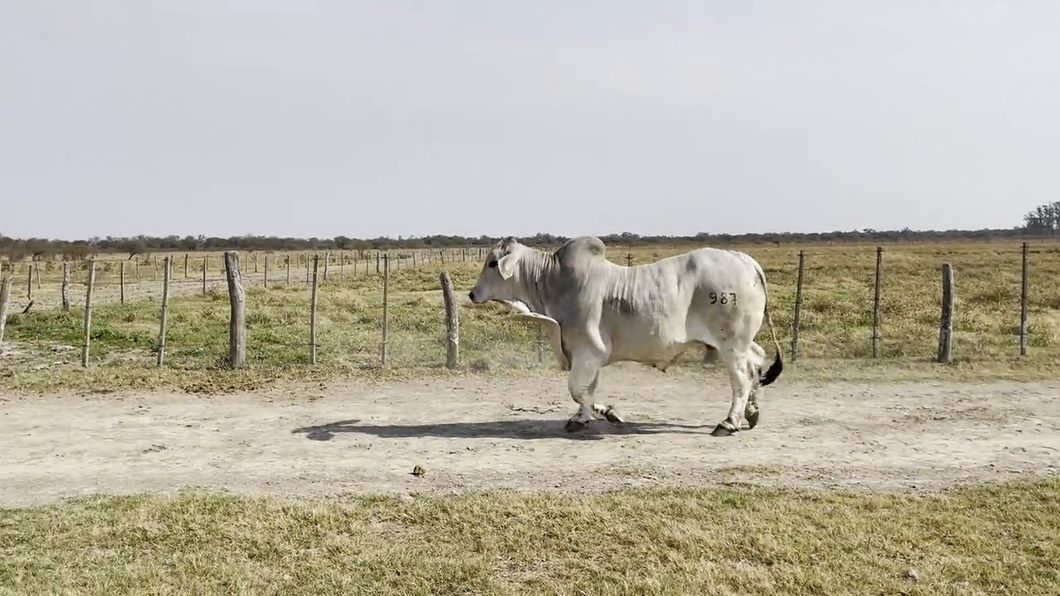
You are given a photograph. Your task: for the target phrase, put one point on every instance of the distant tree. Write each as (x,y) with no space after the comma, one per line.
(1044,219)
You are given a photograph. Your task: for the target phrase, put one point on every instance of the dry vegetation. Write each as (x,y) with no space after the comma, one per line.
(997,540)
(43,345)
(975,540)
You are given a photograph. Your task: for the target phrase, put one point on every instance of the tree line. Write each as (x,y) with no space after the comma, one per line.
(1045,221)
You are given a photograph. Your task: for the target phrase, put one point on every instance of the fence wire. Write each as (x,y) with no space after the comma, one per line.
(838,316)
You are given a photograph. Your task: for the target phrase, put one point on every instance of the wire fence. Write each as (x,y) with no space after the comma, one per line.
(367,310)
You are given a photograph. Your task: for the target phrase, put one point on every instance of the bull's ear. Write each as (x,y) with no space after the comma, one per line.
(506,265)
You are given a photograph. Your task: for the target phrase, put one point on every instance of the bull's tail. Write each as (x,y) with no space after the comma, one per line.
(774,370)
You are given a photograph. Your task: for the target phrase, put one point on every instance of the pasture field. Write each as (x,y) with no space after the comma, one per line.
(835,333)
(889,476)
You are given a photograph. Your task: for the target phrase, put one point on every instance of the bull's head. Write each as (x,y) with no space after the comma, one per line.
(497,279)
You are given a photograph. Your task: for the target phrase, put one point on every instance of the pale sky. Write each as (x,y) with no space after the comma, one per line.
(300,117)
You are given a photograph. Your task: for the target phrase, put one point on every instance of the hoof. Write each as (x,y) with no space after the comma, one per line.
(722,431)
(574,426)
(613,417)
(752,420)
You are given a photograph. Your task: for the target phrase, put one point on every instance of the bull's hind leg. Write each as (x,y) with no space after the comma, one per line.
(754,372)
(751,411)
(741,387)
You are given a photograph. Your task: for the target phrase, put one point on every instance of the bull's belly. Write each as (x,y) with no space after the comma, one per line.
(651,350)
(653,341)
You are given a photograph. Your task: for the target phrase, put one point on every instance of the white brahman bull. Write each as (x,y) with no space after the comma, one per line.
(597,312)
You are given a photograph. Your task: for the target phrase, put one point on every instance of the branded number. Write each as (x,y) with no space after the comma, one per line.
(723,298)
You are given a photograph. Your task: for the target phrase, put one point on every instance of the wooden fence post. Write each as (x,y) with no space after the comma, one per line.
(1023,305)
(5,299)
(165,312)
(265,279)
(288,268)
(205,264)
(798,311)
(185,265)
(237,327)
(876,304)
(342,262)
(29,281)
(452,323)
(540,345)
(327,260)
(313,313)
(87,333)
(386,301)
(121,281)
(946,325)
(36,273)
(66,286)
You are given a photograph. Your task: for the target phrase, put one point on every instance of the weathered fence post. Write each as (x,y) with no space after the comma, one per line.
(205,264)
(288,269)
(5,298)
(66,286)
(342,262)
(265,279)
(185,265)
(87,333)
(386,300)
(798,311)
(237,328)
(452,323)
(165,311)
(540,345)
(36,273)
(876,304)
(1023,305)
(121,281)
(946,325)
(29,281)
(327,260)
(313,312)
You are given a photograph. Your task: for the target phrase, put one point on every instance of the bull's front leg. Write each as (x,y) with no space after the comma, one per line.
(582,382)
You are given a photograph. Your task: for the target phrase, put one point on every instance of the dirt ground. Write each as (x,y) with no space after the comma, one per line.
(490,433)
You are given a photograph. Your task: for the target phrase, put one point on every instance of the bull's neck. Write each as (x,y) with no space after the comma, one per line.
(535,271)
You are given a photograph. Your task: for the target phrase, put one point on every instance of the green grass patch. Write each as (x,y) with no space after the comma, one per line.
(983,540)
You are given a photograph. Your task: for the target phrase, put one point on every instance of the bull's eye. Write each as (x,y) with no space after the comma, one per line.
(492,264)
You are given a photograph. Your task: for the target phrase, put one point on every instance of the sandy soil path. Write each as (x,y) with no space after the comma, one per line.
(488,433)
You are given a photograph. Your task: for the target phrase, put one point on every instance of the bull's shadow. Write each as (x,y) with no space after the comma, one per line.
(524,429)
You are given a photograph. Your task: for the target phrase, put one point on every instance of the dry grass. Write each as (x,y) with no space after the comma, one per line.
(986,540)
(835,338)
